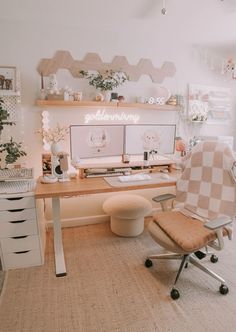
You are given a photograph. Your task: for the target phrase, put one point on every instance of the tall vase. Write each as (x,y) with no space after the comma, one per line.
(55,148)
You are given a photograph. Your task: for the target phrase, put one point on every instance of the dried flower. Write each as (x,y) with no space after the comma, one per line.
(54,135)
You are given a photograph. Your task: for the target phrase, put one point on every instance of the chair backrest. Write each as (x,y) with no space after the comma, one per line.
(206,187)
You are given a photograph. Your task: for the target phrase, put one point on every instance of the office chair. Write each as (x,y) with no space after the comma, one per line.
(206,194)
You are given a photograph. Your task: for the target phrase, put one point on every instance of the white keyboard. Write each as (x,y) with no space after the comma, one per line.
(135,177)
(16,173)
(13,187)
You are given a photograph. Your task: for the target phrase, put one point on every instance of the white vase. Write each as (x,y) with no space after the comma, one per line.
(55,148)
(106,95)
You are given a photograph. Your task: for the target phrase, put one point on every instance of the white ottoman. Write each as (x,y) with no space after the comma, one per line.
(127,213)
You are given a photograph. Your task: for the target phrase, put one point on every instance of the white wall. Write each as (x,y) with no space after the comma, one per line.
(31,30)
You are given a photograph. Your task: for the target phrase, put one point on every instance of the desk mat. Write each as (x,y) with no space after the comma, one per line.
(156,178)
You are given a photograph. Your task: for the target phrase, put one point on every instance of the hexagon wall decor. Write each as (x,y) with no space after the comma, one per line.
(92,61)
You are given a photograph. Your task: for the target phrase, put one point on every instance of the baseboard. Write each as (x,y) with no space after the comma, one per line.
(81,221)
(90,220)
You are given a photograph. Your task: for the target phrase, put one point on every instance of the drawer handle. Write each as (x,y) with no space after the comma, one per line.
(21,252)
(14,198)
(20,237)
(17,221)
(16,210)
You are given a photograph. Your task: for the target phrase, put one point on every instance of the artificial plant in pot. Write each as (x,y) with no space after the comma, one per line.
(9,151)
(105,80)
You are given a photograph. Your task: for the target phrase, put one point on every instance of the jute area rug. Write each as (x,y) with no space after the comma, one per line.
(109,289)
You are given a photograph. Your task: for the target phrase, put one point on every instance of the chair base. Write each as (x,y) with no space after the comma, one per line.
(185,259)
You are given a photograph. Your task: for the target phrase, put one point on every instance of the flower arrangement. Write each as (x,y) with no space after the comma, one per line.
(54,135)
(180,146)
(106,80)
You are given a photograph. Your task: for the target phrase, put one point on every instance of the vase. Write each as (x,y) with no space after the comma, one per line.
(106,95)
(55,148)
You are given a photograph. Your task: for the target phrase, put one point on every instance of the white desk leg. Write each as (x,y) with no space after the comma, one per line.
(58,245)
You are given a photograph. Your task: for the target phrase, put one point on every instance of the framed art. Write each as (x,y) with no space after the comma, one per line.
(7,79)
(46,163)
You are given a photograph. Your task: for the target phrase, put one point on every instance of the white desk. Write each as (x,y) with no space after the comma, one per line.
(77,187)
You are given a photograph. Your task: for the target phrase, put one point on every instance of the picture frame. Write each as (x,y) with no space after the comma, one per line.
(46,163)
(7,79)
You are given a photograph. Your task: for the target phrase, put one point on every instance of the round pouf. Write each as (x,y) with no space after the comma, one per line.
(127,212)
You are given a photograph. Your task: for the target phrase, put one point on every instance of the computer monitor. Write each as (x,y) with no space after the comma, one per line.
(151,137)
(96,141)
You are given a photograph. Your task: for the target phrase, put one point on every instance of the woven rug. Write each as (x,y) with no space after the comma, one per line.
(109,289)
(2,276)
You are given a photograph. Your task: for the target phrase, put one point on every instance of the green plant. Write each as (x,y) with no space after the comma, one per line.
(4,115)
(13,149)
(106,80)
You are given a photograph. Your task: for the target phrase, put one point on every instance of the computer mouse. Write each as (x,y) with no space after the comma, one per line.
(165,176)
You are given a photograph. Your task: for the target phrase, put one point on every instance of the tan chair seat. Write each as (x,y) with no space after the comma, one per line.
(187,232)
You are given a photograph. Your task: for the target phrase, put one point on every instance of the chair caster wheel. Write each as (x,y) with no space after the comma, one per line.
(223,289)
(174,294)
(214,259)
(148,262)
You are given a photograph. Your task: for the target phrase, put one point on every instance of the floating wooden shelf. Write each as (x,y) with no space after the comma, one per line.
(89,103)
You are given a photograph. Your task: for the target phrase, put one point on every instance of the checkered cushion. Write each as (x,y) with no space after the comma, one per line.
(206,187)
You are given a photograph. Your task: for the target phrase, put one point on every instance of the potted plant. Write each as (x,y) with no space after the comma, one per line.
(105,80)
(10,151)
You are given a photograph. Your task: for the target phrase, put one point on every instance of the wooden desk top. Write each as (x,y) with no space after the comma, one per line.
(88,186)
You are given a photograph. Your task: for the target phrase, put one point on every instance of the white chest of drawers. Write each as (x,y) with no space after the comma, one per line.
(22,235)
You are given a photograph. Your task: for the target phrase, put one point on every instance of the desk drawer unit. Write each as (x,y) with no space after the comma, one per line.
(19,233)
(17,215)
(25,258)
(17,203)
(18,228)
(20,243)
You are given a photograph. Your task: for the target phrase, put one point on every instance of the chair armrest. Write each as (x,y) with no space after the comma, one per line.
(163,197)
(218,222)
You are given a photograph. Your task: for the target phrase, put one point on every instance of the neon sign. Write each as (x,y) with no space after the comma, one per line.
(101,115)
